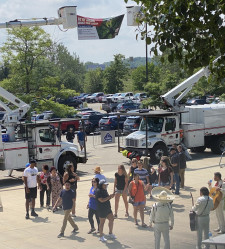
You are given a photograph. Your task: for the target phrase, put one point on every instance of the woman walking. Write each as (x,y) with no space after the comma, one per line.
(92,205)
(72,177)
(104,209)
(165,173)
(45,186)
(136,191)
(56,187)
(120,188)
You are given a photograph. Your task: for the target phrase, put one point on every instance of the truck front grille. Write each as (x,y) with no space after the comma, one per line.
(131,143)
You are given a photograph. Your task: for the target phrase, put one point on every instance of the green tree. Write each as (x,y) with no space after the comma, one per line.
(71,70)
(193,31)
(114,74)
(93,81)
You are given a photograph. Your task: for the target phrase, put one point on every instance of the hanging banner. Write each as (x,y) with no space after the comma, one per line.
(92,28)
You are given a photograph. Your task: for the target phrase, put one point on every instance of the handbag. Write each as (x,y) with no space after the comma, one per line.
(193,216)
(131,198)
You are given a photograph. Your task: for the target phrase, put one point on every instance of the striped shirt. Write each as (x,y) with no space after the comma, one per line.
(143,173)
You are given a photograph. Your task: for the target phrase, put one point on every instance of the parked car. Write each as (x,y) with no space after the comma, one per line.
(196,102)
(91,123)
(66,125)
(83,99)
(43,116)
(72,101)
(124,96)
(113,98)
(140,96)
(81,95)
(127,106)
(111,123)
(94,97)
(104,98)
(131,124)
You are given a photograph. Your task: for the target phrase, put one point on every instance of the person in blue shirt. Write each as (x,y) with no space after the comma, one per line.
(81,136)
(67,196)
(92,206)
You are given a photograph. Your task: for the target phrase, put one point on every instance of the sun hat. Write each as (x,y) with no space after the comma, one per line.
(103,181)
(98,169)
(162,194)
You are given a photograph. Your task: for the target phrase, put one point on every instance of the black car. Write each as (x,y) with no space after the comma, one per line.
(111,123)
(73,102)
(91,124)
(127,106)
(131,124)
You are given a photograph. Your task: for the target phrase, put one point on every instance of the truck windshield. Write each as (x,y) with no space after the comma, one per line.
(154,124)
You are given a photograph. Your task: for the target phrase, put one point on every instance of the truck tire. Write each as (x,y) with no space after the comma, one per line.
(64,161)
(157,152)
(218,145)
(198,149)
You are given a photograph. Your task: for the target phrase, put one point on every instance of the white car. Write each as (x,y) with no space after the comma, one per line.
(125,96)
(113,98)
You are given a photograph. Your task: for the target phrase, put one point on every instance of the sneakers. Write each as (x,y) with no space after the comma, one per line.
(221,232)
(75,229)
(216,230)
(27,216)
(34,214)
(91,230)
(73,215)
(102,239)
(112,236)
(115,216)
(60,235)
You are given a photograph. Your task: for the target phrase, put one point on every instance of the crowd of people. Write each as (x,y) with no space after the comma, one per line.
(141,180)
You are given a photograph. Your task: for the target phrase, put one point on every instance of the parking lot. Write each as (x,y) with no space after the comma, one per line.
(41,232)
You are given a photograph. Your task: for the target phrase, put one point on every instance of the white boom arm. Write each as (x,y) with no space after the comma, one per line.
(67,16)
(184,88)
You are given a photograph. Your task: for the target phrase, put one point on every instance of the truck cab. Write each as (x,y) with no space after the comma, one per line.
(161,130)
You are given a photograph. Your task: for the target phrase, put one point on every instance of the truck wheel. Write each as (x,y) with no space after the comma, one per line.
(64,161)
(218,145)
(157,152)
(198,149)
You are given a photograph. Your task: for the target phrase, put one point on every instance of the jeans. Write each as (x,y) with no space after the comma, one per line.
(42,192)
(91,213)
(177,179)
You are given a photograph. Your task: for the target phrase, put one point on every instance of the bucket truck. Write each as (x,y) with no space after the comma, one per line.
(38,140)
(197,127)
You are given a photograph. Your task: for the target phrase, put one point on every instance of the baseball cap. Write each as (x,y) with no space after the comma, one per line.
(27,165)
(103,181)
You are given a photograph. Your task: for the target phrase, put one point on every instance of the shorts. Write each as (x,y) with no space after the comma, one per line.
(117,191)
(81,143)
(32,194)
(104,213)
(138,203)
(74,188)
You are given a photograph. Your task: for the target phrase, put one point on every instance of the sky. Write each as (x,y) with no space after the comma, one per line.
(97,51)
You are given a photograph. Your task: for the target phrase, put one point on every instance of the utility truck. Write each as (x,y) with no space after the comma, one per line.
(197,127)
(38,140)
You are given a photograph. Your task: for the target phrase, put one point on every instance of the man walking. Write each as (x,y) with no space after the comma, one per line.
(182,163)
(31,179)
(174,158)
(68,197)
(81,136)
(70,135)
(161,214)
(202,208)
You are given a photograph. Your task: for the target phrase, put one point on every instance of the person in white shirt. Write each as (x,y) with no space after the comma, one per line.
(219,209)
(98,173)
(31,179)
(161,214)
(202,207)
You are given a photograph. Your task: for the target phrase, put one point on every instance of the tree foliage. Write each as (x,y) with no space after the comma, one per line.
(114,74)
(192,31)
(93,81)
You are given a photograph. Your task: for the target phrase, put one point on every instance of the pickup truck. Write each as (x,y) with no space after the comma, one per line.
(66,125)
